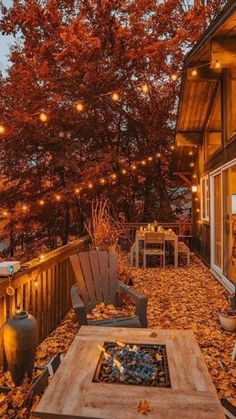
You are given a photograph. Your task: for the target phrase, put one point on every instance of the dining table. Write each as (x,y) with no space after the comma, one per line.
(170,237)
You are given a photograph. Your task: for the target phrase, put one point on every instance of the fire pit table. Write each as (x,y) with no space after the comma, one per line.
(128,373)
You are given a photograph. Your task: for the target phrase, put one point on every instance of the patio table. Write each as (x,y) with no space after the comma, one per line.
(170,237)
(72,393)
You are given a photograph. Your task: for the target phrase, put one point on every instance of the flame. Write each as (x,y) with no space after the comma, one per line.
(118,365)
(106,355)
(120,343)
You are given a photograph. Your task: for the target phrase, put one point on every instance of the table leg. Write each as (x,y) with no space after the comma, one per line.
(137,253)
(176,253)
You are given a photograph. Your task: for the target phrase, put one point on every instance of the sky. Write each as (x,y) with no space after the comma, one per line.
(5,42)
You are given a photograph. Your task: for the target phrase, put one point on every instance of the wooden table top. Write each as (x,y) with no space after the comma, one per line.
(73,394)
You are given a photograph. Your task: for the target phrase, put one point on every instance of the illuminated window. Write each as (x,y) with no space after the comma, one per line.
(205,198)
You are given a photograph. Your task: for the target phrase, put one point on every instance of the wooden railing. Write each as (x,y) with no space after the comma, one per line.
(43,289)
(183,230)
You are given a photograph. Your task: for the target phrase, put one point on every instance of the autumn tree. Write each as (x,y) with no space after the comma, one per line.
(64,129)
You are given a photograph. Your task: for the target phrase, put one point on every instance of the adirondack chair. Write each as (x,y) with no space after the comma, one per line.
(96,276)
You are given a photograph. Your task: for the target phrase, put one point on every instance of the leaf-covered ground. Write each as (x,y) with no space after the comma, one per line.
(183,298)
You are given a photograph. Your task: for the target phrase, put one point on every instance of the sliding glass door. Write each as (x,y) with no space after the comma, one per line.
(217,222)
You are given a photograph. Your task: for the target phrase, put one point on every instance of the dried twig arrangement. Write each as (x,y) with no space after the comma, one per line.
(103,229)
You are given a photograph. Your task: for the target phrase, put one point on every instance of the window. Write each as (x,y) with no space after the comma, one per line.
(205,198)
(213,133)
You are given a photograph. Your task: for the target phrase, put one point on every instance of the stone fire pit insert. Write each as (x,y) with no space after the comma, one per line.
(72,393)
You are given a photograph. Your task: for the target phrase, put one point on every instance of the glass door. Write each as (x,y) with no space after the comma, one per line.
(217,223)
(230,224)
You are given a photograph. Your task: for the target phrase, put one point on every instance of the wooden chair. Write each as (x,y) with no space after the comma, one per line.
(184,249)
(154,245)
(96,275)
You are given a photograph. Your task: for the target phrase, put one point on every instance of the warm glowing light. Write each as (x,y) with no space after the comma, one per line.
(194,188)
(79,107)
(41,257)
(78,190)
(199,221)
(145,88)
(113,176)
(115,97)
(133,167)
(217,64)
(43,117)
(150,158)
(194,176)
(5,213)
(2,129)
(197,210)
(192,164)
(196,199)
(194,72)
(158,155)
(102,181)
(174,77)
(123,171)
(172,147)
(24,207)
(90,185)
(143,162)
(41,202)
(36,283)
(190,153)
(58,198)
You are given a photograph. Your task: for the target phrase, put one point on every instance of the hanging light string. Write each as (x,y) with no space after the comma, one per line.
(85,187)
(115,95)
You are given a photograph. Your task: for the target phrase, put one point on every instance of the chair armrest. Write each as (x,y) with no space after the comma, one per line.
(140,302)
(78,306)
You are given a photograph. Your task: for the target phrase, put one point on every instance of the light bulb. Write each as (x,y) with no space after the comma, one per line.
(150,158)
(41,202)
(58,197)
(124,171)
(133,167)
(113,176)
(115,97)
(217,64)
(145,88)
(5,213)
(43,117)
(2,129)
(24,207)
(174,77)
(90,185)
(191,164)
(79,106)
(194,188)
(102,181)
(158,155)
(143,162)
(194,72)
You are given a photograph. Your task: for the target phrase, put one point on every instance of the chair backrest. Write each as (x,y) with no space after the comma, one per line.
(155,238)
(96,275)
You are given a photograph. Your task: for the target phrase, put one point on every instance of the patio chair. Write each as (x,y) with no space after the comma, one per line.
(154,245)
(96,276)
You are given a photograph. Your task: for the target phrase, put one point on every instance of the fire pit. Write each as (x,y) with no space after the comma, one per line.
(135,364)
(112,372)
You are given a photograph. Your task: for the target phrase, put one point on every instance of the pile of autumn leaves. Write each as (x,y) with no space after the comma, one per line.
(183,298)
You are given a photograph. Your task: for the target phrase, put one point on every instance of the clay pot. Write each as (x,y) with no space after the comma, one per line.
(20,342)
(228,322)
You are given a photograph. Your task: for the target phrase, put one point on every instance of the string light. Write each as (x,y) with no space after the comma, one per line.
(41,257)
(90,185)
(174,77)
(5,213)
(143,162)
(133,167)
(145,88)
(172,147)
(58,198)
(78,190)
(113,176)
(36,283)
(102,181)
(79,107)
(158,155)
(192,164)
(115,97)
(123,171)
(217,64)
(197,210)
(194,176)
(2,129)
(24,207)
(43,117)
(190,153)
(150,158)
(41,202)
(194,188)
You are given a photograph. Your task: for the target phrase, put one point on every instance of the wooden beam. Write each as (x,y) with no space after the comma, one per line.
(188,138)
(203,72)
(223,50)
(184,177)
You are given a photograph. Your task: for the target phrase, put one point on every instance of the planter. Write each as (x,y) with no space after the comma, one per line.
(227,321)
(20,341)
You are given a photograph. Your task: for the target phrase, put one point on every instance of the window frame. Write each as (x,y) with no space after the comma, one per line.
(205,198)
